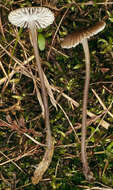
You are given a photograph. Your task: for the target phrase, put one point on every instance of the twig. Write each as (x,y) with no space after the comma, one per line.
(56,32)
(1,65)
(35,141)
(100,122)
(61,53)
(102,104)
(72,101)
(30,152)
(93,3)
(69,122)
(89,3)
(14,107)
(103,122)
(12,162)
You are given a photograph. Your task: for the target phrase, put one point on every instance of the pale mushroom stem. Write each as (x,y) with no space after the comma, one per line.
(43,88)
(44,164)
(86,170)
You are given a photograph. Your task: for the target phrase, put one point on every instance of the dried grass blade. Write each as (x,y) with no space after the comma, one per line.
(50,93)
(101,103)
(1,27)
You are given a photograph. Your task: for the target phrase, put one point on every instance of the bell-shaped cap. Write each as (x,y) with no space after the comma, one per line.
(79,35)
(40,17)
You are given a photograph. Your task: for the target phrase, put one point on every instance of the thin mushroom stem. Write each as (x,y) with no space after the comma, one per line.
(86,170)
(43,88)
(49,140)
(72,40)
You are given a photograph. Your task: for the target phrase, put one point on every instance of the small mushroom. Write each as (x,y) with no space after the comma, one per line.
(35,18)
(72,40)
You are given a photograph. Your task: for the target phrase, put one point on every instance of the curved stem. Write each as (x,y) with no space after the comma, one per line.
(41,76)
(86,170)
(42,167)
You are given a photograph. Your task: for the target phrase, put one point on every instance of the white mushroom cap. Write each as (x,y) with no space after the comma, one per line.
(40,17)
(79,35)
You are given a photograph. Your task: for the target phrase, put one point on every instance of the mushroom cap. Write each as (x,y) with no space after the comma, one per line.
(79,35)
(40,17)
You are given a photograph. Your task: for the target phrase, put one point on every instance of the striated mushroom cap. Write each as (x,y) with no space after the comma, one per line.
(79,35)
(40,17)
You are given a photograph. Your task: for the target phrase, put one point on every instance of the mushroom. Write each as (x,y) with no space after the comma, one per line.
(72,40)
(35,18)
